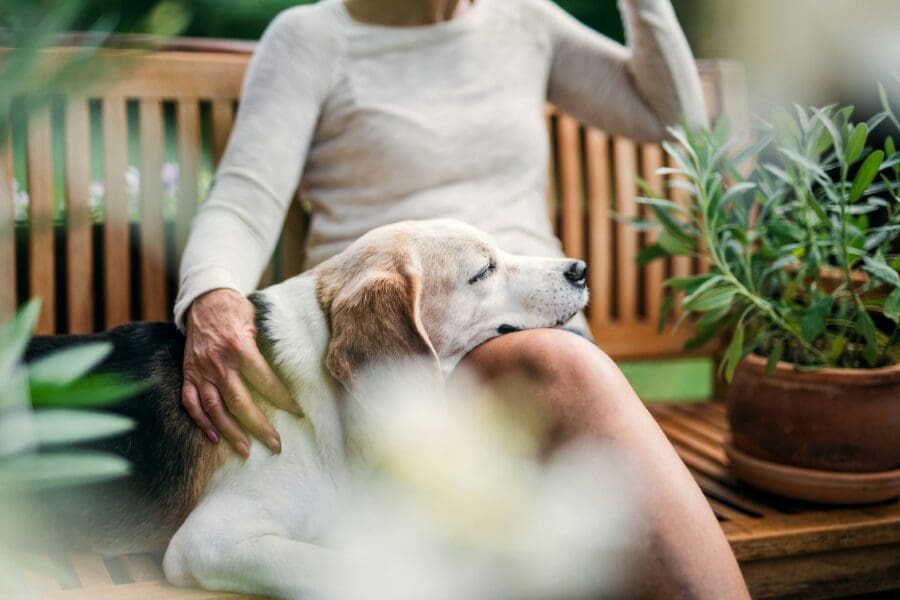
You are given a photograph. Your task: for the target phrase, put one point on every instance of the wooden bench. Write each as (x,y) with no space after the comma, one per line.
(99,264)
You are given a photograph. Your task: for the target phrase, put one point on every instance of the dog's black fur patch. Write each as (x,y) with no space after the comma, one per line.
(163,449)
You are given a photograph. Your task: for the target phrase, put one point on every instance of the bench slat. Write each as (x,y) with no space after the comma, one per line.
(681,265)
(552,201)
(79,239)
(293,247)
(41,246)
(651,160)
(188,140)
(599,230)
(142,567)
(152,235)
(7,224)
(90,569)
(625,162)
(222,114)
(570,186)
(116,248)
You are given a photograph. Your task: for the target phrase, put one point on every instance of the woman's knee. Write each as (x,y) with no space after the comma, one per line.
(553,357)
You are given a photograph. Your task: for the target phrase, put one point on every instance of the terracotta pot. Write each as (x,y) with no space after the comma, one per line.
(844,420)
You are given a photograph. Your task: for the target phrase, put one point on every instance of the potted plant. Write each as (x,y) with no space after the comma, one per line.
(803,290)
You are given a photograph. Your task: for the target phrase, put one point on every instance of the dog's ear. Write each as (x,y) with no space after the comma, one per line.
(376,328)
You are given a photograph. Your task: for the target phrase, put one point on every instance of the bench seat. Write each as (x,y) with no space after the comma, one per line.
(786,548)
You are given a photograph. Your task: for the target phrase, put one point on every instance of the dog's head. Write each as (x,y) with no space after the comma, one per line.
(436,289)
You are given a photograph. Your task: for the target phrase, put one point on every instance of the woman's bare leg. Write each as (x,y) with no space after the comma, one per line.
(682,547)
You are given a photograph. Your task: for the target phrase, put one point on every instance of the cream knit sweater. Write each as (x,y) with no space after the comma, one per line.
(446,120)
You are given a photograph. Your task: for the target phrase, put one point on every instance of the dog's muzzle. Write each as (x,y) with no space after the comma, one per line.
(576,274)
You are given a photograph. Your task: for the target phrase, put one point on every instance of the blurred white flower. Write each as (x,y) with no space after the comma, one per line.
(132,181)
(20,201)
(460,504)
(169,176)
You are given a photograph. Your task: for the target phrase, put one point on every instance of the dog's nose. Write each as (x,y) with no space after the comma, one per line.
(576,273)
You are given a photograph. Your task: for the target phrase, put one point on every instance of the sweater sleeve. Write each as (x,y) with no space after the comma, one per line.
(237,226)
(634,91)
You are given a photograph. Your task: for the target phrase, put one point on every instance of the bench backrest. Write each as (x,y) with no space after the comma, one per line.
(97,191)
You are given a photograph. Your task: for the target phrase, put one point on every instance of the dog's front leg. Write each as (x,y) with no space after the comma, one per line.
(268,564)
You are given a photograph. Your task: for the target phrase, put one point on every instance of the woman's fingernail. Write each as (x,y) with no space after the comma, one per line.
(243,450)
(212,436)
(275,445)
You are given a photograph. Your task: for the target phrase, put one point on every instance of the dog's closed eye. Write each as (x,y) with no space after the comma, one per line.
(483,274)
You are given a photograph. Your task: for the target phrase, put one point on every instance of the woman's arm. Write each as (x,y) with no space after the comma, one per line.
(635,91)
(238,225)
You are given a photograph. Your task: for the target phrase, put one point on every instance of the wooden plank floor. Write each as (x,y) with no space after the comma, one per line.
(786,548)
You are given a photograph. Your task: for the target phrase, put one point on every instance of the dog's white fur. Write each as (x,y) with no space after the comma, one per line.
(255,528)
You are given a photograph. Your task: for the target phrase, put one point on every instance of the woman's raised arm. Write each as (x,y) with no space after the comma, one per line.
(635,91)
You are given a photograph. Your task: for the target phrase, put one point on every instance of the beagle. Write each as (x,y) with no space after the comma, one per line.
(430,290)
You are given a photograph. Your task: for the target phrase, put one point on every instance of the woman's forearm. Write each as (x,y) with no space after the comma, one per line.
(635,91)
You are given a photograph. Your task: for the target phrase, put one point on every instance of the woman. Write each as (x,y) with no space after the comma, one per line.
(405,109)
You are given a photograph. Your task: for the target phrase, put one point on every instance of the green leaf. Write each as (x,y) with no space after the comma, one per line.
(62,367)
(892,306)
(673,245)
(837,348)
(650,253)
(879,269)
(774,357)
(734,352)
(680,283)
(882,94)
(664,312)
(833,131)
(56,469)
(867,329)
(814,319)
(735,191)
(703,335)
(857,142)
(709,299)
(63,426)
(669,223)
(663,203)
(713,317)
(15,333)
(805,163)
(866,175)
(98,389)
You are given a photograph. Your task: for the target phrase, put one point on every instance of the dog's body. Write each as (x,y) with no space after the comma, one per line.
(429,289)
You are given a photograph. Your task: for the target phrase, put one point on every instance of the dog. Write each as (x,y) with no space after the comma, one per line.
(429,290)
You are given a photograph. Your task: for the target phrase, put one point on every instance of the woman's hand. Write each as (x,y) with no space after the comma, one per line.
(220,360)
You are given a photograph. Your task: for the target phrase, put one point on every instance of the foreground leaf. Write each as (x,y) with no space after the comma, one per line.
(93,390)
(63,426)
(14,335)
(57,469)
(62,367)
